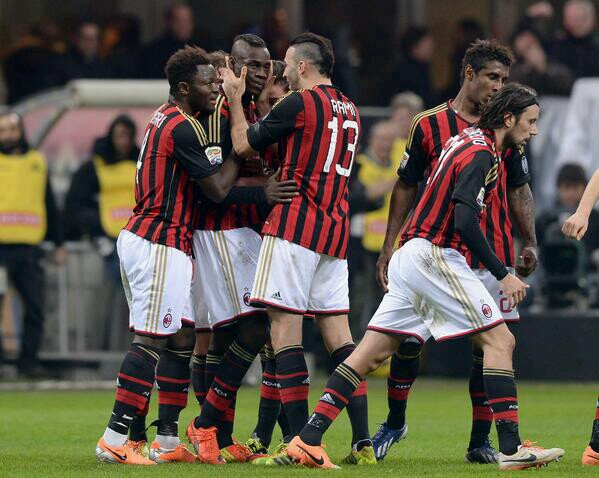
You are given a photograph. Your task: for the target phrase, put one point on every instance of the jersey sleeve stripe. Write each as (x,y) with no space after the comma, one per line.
(421,116)
(214,122)
(198,128)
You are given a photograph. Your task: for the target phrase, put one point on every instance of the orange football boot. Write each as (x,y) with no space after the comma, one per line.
(205,444)
(125,454)
(180,454)
(309,455)
(590,457)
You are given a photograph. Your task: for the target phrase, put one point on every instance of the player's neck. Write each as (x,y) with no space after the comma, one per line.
(310,82)
(183,105)
(466,108)
(499,138)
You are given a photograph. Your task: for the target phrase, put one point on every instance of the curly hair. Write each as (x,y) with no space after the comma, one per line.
(481,52)
(183,65)
(513,98)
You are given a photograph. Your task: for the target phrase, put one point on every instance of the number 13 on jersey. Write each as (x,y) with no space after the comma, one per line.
(333,125)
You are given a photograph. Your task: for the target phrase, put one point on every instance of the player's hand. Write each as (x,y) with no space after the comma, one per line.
(263,100)
(527,261)
(280,192)
(382,265)
(233,86)
(576,226)
(514,289)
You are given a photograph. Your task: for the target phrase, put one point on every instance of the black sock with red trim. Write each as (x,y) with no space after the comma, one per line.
(270,399)
(137,430)
(198,377)
(172,380)
(232,369)
(403,370)
(503,399)
(482,415)
(337,393)
(357,408)
(294,383)
(134,385)
(213,359)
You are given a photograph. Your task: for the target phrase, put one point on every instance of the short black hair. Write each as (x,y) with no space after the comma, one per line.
(251,39)
(513,98)
(482,52)
(183,65)
(317,50)
(278,68)
(571,173)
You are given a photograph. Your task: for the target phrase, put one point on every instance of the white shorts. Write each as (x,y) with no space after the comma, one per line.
(157,282)
(433,293)
(226,262)
(200,309)
(293,278)
(492,285)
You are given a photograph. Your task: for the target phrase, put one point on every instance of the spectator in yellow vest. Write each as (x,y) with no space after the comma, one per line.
(28,216)
(377,173)
(100,201)
(101,197)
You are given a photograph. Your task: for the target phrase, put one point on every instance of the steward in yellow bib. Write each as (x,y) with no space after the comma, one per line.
(102,192)
(99,203)
(28,216)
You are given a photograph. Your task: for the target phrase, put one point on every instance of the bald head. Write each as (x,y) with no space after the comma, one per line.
(381,138)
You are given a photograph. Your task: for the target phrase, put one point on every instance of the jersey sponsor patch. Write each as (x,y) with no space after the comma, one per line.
(480,199)
(404,161)
(524,165)
(214,154)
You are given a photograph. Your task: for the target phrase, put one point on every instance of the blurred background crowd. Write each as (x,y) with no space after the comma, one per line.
(393,58)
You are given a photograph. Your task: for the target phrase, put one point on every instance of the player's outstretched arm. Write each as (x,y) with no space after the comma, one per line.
(576,225)
(217,186)
(402,199)
(522,207)
(234,88)
(467,222)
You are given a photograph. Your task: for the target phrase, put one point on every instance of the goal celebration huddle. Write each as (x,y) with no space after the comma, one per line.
(240,234)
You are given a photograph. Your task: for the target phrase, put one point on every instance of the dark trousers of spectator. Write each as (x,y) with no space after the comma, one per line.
(27,276)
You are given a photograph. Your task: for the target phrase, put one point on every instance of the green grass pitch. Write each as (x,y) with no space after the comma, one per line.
(54,433)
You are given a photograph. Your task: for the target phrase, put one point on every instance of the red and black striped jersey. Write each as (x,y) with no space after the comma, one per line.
(466,172)
(220,217)
(319,130)
(429,132)
(174,151)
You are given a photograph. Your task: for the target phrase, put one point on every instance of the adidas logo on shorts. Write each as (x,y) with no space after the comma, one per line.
(327,398)
(276,295)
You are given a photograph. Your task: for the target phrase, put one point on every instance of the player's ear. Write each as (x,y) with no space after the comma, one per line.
(509,120)
(301,67)
(183,88)
(468,73)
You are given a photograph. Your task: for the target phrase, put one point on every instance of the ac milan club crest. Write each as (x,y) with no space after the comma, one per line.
(167,321)
(487,311)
